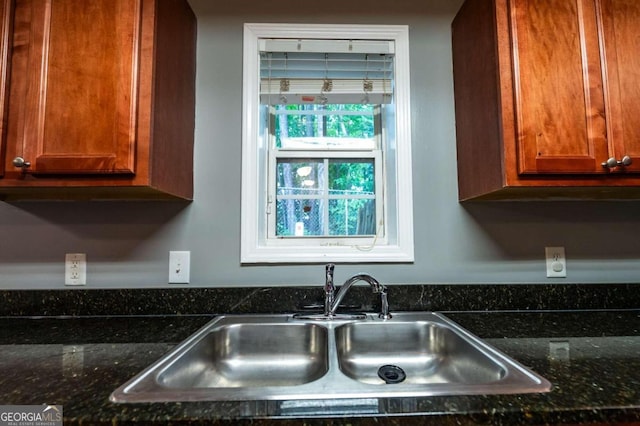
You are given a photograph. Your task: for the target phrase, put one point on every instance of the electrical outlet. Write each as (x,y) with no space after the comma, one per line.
(556,262)
(75,269)
(179,265)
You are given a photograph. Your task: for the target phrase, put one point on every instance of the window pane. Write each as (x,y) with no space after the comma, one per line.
(349,177)
(352,217)
(343,126)
(299,217)
(299,176)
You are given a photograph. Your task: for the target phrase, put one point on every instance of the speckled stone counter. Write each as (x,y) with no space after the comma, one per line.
(78,361)
(423,297)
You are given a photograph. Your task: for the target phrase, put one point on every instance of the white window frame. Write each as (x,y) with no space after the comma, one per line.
(256,247)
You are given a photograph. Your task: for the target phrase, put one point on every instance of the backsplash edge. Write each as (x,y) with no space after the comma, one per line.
(438,297)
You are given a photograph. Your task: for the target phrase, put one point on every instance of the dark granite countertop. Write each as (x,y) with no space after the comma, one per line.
(78,361)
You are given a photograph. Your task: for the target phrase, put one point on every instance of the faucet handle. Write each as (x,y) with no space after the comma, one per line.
(384,302)
(329,289)
(328,282)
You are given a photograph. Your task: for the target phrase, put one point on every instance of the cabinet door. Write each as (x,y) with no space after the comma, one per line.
(559,100)
(6,15)
(74,85)
(621,29)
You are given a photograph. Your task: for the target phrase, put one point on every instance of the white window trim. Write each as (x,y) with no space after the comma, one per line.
(254,248)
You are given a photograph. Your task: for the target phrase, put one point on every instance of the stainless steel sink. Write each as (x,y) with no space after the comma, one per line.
(251,355)
(279,357)
(414,352)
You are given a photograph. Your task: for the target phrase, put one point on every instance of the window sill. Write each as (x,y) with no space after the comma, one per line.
(336,253)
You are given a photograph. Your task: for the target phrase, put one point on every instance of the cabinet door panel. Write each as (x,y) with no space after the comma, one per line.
(79,112)
(6,15)
(621,29)
(559,102)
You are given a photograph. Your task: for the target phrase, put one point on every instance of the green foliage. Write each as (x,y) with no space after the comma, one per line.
(347,216)
(351,175)
(316,122)
(351,217)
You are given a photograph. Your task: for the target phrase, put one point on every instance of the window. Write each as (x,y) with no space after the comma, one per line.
(326,167)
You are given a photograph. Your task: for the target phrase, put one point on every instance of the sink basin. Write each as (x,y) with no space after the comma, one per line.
(251,355)
(416,352)
(281,357)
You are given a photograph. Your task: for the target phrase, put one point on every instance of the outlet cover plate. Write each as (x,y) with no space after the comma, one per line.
(75,269)
(179,265)
(556,262)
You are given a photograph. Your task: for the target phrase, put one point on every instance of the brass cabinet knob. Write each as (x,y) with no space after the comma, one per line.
(610,163)
(613,163)
(626,161)
(21,163)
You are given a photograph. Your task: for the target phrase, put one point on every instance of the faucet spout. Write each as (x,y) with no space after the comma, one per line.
(375,286)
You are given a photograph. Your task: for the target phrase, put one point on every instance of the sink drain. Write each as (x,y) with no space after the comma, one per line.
(391,374)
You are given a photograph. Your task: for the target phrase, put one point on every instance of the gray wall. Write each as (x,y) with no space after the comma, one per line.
(127,244)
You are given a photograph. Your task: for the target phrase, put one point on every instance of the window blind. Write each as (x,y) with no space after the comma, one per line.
(326,71)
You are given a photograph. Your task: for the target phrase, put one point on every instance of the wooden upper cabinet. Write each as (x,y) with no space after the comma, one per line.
(546,91)
(559,100)
(101,99)
(77,106)
(621,46)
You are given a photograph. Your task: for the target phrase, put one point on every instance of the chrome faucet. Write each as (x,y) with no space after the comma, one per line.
(332,301)
(329,289)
